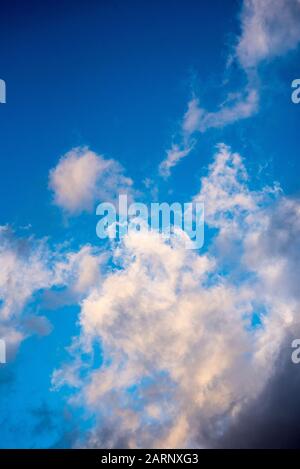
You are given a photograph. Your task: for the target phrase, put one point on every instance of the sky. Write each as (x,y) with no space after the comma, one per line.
(141,343)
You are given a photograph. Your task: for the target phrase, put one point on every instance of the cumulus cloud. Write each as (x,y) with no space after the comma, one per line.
(153,319)
(24,271)
(269,29)
(82,178)
(30,266)
(77,272)
(182,359)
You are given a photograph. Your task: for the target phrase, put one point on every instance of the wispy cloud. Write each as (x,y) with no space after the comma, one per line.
(174,155)
(236,108)
(268,29)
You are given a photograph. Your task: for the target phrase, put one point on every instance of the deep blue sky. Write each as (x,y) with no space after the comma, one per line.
(116,76)
(112,75)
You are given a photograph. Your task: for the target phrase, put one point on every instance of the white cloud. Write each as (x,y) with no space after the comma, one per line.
(83,178)
(180,358)
(174,155)
(29,266)
(192,117)
(80,270)
(24,271)
(241,107)
(199,120)
(270,28)
(225,191)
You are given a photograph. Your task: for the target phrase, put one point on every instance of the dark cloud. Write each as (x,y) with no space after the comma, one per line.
(272,420)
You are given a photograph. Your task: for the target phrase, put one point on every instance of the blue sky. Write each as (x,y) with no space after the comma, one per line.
(117,78)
